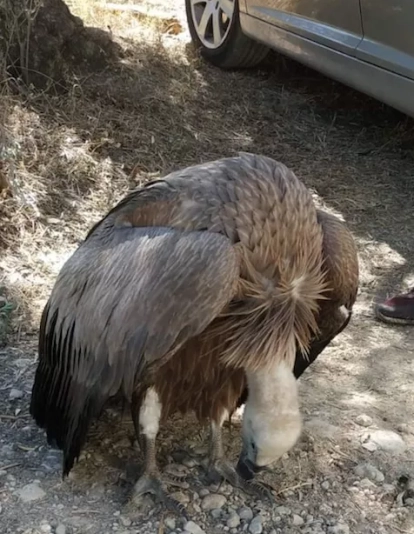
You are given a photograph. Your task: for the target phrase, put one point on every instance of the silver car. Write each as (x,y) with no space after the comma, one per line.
(366,44)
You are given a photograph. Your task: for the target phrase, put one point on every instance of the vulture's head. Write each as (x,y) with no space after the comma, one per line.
(271,420)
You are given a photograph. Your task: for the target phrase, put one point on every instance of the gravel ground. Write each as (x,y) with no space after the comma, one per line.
(351,471)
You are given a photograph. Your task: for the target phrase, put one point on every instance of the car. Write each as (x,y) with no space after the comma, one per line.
(366,44)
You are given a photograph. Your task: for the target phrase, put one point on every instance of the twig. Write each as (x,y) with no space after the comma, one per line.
(161,528)
(290,488)
(4,467)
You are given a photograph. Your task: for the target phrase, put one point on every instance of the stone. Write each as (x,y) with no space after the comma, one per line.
(31,492)
(126,522)
(246,513)
(60,529)
(282,510)
(46,528)
(366,470)
(213,501)
(388,441)
(169,522)
(233,520)
(325,485)
(256,525)
(180,497)
(363,420)
(15,394)
(297,520)
(339,528)
(193,528)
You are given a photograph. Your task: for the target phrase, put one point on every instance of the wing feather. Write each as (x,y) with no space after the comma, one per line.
(123,303)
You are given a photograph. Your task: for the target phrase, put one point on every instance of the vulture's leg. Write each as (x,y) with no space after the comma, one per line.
(146,414)
(220,468)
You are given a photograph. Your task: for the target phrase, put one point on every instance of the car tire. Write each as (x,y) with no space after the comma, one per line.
(234,50)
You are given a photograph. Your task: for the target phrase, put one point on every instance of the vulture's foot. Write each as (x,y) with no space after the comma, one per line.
(223,470)
(152,484)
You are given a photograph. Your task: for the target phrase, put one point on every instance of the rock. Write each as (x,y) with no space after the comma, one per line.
(46,528)
(388,441)
(31,492)
(60,529)
(367,470)
(180,497)
(169,522)
(216,513)
(297,520)
(193,528)
(213,501)
(15,394)
(366,483)
(339,528)
(256,525)
(282,510)
(325,485)
(246,513)
(233,520)
(363,420)
(203,492)
(126,522)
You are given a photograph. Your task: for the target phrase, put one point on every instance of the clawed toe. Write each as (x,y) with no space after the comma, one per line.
(153,485)
(224,470)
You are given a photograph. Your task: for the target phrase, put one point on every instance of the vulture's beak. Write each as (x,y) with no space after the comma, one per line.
(246,468)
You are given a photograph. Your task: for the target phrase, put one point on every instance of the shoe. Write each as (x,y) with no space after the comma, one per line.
(398,309)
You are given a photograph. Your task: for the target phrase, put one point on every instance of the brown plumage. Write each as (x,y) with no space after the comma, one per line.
(218,278)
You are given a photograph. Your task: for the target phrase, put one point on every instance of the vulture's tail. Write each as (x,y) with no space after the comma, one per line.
(66,425)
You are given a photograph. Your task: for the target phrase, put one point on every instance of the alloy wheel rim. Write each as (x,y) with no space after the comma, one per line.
(212,20)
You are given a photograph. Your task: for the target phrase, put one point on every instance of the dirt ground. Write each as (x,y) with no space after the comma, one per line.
(161,108)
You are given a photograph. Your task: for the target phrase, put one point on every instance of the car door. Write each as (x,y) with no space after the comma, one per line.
(388,35)
(333,23)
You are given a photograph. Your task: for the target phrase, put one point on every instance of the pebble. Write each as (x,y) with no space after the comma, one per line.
(325,485)
(31,492)
(15,394)
(126,522)
(256,525)
(297,520)
(193,528)
(246,513)
(180,497)
(60,529)
(216,513)
(233,520)
(364,420)
(367,470)
(340,528)
(282,510)
(213,501)
(46,528)
(388,441)
(169,522)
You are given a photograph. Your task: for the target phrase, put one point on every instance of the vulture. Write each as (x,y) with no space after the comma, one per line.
(215,286)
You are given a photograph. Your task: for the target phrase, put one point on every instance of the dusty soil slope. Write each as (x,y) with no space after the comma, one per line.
(160,108)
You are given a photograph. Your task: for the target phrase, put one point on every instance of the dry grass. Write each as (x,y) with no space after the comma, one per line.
(70,157)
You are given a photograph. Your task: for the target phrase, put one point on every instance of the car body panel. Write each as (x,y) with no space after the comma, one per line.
(391,88)
(388,35)
(332,23)
(366,44)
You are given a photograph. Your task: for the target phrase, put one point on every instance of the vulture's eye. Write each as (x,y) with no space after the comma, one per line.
(253,446)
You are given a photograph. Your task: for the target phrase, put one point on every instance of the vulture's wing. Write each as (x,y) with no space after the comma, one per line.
(341,263)
(125,301)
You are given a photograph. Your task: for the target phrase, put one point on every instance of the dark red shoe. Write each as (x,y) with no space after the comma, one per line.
(398,309)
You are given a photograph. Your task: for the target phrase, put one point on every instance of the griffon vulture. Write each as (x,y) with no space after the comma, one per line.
(217,284)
